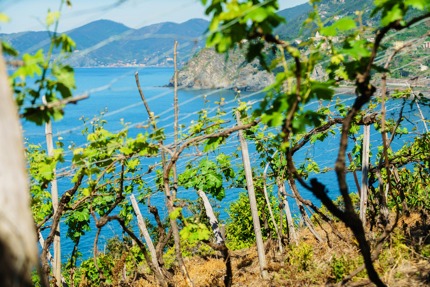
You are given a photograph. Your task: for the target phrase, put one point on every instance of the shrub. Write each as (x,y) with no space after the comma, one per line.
(239,227)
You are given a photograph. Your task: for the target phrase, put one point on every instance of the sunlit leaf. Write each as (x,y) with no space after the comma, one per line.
(52,17)
(4,18)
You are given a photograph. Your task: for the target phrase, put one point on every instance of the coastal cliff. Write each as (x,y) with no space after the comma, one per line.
(210,70)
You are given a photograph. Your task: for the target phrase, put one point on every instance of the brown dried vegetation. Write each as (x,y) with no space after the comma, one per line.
(404,261)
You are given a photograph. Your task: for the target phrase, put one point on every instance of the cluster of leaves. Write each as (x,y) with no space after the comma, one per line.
(209,176)
(235,22)
(41,171)
(41,82)
(106,160)
(106,170)
(120,263)
(412,184)
(240,229)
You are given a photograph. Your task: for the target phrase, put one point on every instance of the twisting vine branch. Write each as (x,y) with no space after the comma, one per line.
(65,199)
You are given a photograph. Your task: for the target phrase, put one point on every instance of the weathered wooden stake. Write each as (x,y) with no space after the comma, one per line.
(176,113)
(252,202)
(56,264)
(145,233)
(170,196)
(219,238)
(365,171)
(50,257)
(286,206)
(266,196)
(422,116)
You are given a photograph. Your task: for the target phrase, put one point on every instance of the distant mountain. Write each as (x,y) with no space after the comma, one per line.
(95,32)
(150,45)
(27,41)
(107,43)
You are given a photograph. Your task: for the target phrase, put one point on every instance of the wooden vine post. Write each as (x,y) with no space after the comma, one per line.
(219,238)
(176,112)
(168,166)
(252,202)
(286,207)
(144,230)
(272,217)
(365,171)
(56,263)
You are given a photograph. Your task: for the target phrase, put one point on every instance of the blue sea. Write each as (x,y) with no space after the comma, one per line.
(114,96)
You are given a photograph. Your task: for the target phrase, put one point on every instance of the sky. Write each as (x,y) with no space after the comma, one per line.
(29,15)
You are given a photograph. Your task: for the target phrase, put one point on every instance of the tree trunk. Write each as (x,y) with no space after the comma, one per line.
(49,256)
(18,252)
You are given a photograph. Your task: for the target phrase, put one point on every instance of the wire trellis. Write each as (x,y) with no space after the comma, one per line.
(165,118)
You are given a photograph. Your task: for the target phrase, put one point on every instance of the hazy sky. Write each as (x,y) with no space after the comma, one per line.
(29,15)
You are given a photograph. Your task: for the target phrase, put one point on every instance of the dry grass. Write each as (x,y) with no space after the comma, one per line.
(312,263)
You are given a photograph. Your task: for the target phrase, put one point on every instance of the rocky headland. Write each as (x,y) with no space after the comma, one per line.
(210,70)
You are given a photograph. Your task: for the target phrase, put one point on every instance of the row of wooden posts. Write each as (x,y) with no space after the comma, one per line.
(219,238)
